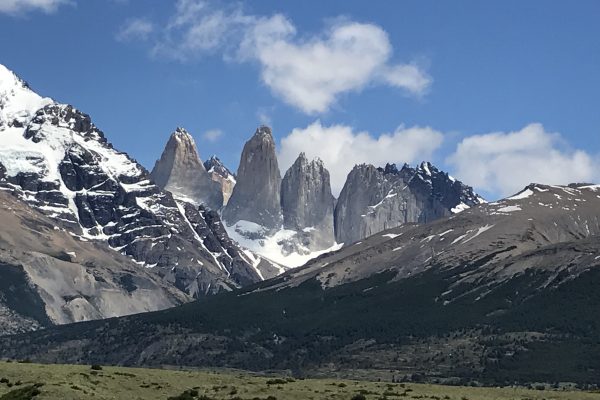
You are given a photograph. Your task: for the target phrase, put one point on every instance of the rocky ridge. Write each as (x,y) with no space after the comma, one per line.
(58,162)
(375,199)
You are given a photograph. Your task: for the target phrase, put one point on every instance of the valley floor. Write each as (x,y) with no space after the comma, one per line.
(21,381)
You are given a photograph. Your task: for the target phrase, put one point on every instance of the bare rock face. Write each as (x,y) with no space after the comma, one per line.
(307,202)
(255,197)
(181,172)
(376,199)
(219,173)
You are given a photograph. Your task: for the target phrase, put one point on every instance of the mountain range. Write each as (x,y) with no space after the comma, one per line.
(501,293)
(408,275)
(55,161)
(292,219)
(167,222)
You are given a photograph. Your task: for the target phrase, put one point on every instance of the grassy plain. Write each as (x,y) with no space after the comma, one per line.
(20,381)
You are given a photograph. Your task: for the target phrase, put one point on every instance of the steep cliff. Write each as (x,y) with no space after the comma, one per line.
(180,171)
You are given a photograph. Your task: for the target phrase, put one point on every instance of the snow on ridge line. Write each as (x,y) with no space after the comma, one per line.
(17,101)
(268,245)
(459,208)
(509,209)
(522,195)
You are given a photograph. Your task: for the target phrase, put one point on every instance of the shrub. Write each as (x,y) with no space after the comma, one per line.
(277,381)
(359,396)
(189,394)
(24,393)
(96,367)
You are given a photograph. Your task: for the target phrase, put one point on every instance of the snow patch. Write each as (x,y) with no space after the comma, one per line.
(270,245)
(522,195)
(509,209)
(460,208)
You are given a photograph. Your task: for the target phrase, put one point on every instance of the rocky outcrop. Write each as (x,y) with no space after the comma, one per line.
(255,197)
(180,171)
(307,203)
(376,199)
(219,173)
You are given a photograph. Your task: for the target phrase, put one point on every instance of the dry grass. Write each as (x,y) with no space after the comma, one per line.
(68,382)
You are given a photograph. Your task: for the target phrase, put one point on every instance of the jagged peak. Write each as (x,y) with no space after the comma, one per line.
(263,132)
(18,103)
(214,164)
(214,159)
(302,162)
(362,166)
(317,161)
(9,80)
(427,168)
(182,133)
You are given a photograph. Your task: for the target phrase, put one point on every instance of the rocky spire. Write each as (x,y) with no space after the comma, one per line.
(221,174)
(307,202)
(181,172)
(255,197)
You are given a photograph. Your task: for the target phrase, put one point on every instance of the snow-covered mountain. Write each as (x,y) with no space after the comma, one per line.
(53,158)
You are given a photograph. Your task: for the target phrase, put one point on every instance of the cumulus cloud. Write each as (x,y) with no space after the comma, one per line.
(309,72)
(312,74)
(505,162)
(18,7)
(212,135)
(340,147)
(135,29)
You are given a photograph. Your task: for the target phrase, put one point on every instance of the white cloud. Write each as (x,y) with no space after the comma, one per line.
(312,74)
(340,147)
(17,7)
(137,28)
(309,72)
(505,162)
(197,28)
(212,135)
(409,77)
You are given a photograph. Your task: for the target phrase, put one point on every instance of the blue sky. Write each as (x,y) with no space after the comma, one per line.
(500,94)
